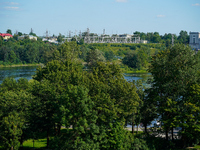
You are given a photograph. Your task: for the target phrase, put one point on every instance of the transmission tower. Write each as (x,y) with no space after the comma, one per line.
(31,30)
(80,34)
(104,31)
(70,33)
(47,34)
(87,36)
(172,39)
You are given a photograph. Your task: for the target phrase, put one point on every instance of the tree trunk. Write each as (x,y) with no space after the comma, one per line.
(183,139)
(47,137)
(21,141)
(11,148)
(172,134)
(59,128)
(145,128)
(33,144)
(132,125)
(166,134)
(137,129)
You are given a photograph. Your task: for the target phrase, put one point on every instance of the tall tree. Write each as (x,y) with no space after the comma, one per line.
(60,38)
(14,111)
(183,37)
(175,71)
(94,56)
(9,31)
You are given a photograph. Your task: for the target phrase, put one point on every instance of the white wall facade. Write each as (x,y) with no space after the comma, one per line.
(195,40)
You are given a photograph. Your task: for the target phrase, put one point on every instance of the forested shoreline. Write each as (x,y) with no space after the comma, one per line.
(82,89)
(25,51)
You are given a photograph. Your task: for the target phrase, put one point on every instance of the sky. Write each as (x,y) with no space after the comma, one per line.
(115,16)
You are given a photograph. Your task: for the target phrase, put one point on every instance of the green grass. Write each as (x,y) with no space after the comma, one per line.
(197,147)
(28,145)
(18,65)
(41,143)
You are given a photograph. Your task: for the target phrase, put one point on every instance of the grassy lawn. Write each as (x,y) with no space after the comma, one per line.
(38,144)
(197,147)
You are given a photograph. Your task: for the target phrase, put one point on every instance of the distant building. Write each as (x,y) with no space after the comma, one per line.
(195,40)
(6,36)
(144,41)
(125,36)
(51,40)
(31,37)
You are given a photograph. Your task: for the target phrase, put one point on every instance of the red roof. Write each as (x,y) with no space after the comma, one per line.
(5,34)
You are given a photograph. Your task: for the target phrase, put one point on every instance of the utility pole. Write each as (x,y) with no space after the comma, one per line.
(70,34)
(31,30)
(47,34)
(104,31)
(172,39)
(87,36)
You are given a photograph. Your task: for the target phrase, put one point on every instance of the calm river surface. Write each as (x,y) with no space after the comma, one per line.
(17,72)
(28,71)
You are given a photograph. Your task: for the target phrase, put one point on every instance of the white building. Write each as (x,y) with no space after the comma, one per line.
(31,37)
(50,40)
(195,40)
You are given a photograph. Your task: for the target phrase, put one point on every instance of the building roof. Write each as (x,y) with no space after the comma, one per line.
(5,34)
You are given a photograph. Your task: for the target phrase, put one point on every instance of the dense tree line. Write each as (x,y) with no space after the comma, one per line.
(24,51)
(154,37)
(28,51)
(94,105)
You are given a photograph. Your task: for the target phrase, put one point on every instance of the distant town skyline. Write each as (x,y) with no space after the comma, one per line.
(115,16)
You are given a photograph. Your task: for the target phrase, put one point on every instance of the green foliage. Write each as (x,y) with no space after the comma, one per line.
(138,59)
(11,130)
(79,113)
(94,56)
(183,37)
(67,51)
(1,41)
(19,33)
(156,143)
(175,71)
(31,33)
(109,55)
(139,144)
(116,138)
(14,111)
(151,37)
(26,51)
(85,100)
(9,31)
(83,52)
(60,37)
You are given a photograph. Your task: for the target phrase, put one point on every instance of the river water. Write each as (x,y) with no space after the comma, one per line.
(17,72)
(28,71)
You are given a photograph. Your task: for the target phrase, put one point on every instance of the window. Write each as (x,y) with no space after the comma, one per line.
(193,40)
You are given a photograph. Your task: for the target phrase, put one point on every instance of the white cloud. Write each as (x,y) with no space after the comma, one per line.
(13,3)
(121,1)
(197,4)
(11,8)
(160,16)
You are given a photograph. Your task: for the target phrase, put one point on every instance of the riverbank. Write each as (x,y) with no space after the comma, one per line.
(19,65)
(138,71)
(131,70)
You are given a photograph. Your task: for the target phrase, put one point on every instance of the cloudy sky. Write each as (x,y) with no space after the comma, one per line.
(115,16)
